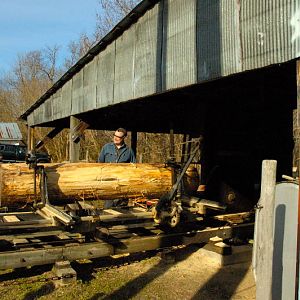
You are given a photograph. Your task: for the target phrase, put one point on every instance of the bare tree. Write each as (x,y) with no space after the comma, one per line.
(112,11)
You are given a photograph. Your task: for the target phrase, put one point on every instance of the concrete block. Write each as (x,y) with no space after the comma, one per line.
(239,254)
(219,247)
(63,269)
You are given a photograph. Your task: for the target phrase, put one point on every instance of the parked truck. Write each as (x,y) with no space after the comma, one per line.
(17,153)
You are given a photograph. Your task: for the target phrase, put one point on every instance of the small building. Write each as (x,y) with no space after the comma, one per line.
(10,134)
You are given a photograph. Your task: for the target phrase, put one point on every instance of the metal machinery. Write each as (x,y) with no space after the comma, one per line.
(46,233)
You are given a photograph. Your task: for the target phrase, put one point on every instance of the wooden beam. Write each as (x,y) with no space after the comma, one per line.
(263,236)
(48,255)
(30,138)
(74,147)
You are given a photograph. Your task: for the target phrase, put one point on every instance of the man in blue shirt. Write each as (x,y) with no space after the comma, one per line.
(118,151)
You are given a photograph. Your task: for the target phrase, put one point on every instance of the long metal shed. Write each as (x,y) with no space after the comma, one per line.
(166,45)
(226,69)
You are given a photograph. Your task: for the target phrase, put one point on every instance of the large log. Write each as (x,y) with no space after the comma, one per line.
(86,181)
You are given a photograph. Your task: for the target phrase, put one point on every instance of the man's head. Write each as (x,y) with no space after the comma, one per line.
(119,136)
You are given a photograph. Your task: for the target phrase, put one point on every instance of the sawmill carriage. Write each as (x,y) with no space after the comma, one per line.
(61,206)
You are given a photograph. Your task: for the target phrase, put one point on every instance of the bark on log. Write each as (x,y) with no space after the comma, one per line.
(78,181)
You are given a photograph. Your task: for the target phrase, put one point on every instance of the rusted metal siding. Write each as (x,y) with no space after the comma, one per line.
(77,93)
(57,104)
(30,119)
(38,114)
(173,44)
(218,39)
(231,51)
(10,132)
(179,44)
(65,106)
(106,76)
(124,66)
(269,32)
(147,57)
(90,85)
(48,113)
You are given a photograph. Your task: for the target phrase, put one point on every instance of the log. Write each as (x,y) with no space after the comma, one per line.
(89,181)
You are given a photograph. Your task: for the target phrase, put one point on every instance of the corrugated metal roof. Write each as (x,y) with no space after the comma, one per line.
(124,24)
(183,43)
(10,132)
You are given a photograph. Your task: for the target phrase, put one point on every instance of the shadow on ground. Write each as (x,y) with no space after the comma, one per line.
(42,291)
(25,272)
(229,276)
(133,287)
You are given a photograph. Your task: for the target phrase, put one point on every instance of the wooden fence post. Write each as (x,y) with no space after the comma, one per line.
(263,236)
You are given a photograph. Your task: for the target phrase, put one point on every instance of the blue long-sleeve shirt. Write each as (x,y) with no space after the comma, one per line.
(111,154)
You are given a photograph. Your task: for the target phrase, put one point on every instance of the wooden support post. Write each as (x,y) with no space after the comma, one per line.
(172,144)
(263,233)
(30,138)
(183,147)
(134,142)
(186,148)
(74,147)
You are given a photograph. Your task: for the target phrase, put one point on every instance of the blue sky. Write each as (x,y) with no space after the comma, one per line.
(27,25)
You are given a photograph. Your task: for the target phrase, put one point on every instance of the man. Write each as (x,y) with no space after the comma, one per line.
(118,151)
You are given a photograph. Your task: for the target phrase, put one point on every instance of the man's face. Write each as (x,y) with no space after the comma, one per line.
(119,138)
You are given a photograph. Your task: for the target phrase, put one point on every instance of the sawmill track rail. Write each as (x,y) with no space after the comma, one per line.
(27,239)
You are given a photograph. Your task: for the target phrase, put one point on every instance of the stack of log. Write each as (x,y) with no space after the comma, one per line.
(89,181)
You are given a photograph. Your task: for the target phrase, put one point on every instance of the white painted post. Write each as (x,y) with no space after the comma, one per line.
(263,235)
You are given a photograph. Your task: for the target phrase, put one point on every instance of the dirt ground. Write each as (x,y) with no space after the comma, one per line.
(191,276)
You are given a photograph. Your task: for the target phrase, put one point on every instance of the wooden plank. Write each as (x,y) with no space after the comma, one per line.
(11,225)
(35,241)
(20,241)
(10,219)
(112,212)
(63,236)
(86,206)
(263,236)
(30,235)
(237,217)
(52,212)
(124,217)
(17,213)
(139,209)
